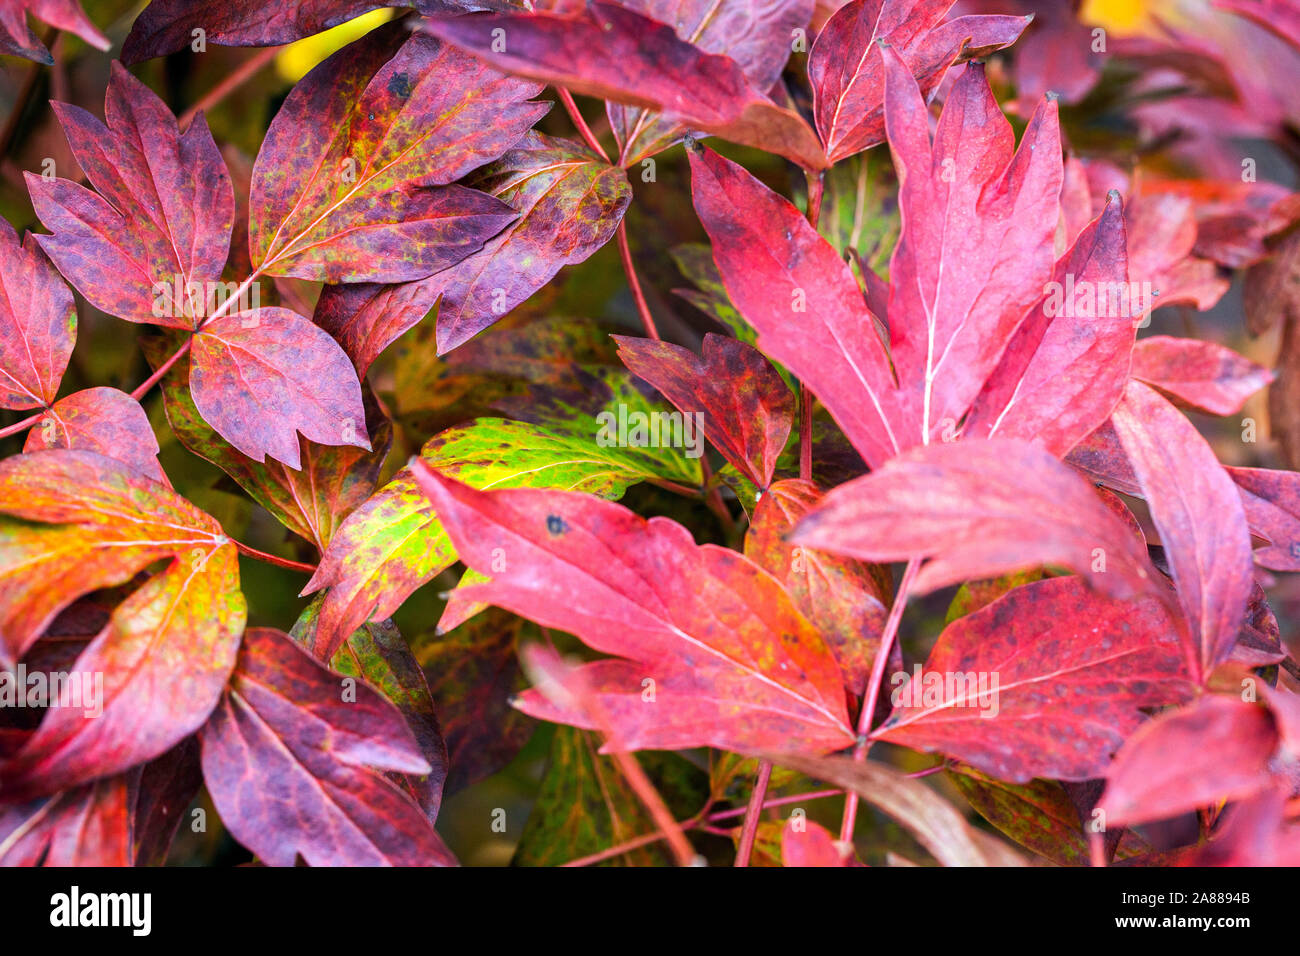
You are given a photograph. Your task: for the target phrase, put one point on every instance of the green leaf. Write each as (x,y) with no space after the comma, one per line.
(585,805)
(394,543)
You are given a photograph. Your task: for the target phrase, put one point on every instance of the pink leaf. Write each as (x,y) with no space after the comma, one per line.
(1199,515)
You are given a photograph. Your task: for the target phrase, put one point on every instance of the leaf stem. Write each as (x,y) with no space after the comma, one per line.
(694,823)
(33,74)
(873,690)
(17,427)
(272,559)
(235,79)
(574,114)
(143,388)
(755,809)
(634,283)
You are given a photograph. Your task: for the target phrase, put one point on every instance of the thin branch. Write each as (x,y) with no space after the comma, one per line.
(272,559)
(695,823)
(749,831)
(142,389)
(233,81)
(873,690)
(23,425)
(574,114)
(634,283)
(30,79)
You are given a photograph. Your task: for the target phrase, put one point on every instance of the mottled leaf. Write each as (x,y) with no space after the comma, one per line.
(569,203)
(1047,681)
(734,393)
(352,180)
(102,420)
(731,662)
(282,719)
(378,654)
(38,323)
(1199,514)
(978,509)
(847,72)
(843,597)
(585,805)
(1205,375)
(167,25)
(393,543)
(150,243)
(88,522)
(473,674)
(311,501)
(756,34)
(260,378)
(606,50)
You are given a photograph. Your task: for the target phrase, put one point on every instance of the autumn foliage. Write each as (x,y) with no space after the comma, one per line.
(833,455)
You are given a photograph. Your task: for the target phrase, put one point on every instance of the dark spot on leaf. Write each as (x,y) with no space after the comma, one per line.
(399,84)
(555,525)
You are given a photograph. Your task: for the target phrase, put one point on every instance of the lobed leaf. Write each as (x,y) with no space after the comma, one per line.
(282,719)
(731,661)
(353,182)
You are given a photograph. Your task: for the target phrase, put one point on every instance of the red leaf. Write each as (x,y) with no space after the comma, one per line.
(17,38)
(87,826)
(1271,499)
(312,502)
(367,317)
(378,654)
(608,51)
(810,845)
(261,377)
(978,509)
(158,668)
(1205,375)
(1280,16)
(569,203)
(1047,681)
(745,409)
(166,788)
(161,219)
(1216,749)
(1255,833)
(105,421)
(757,36)
(733,663)
(38,323)
(105,525)
(351,182)
(1199,515)
(775,266)
(283,719)
(848,75)
(1064,370)
(166,25)
(843,597)
(975,253)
